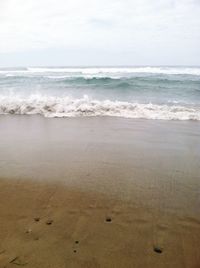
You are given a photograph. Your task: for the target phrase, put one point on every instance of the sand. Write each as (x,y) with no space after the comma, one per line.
(99,192)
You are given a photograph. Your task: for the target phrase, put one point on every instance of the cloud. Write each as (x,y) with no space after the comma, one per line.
(135,26)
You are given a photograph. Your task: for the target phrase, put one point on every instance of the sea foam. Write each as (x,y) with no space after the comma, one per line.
(114,70)
(93,71)
(151,92)
(70,107)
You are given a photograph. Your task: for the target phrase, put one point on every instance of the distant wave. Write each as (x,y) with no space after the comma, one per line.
(86,79)
(115,70)
(103,79)
(106,71)
(69,107)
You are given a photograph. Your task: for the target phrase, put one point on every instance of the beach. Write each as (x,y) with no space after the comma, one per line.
(99,192)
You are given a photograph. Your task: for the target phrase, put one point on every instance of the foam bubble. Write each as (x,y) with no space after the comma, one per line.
(69,107)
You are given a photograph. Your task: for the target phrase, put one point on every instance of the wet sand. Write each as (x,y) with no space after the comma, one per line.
(99,192)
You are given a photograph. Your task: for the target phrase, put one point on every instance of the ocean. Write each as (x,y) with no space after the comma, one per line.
(166,93)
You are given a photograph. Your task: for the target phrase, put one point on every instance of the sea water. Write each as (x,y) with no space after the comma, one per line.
(168,93)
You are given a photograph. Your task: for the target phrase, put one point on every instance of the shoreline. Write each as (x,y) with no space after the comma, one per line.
(99,192)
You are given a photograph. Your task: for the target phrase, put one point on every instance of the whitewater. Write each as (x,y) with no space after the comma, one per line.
(147,92)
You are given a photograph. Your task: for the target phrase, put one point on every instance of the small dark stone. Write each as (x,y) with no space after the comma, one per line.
(74,251)
(49,222)
(76,241)
(108,219)
(37,219)
(158,250)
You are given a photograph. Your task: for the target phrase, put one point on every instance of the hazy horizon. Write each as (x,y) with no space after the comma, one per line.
(97,66)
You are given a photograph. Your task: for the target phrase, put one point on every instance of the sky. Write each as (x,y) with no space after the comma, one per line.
(99,32)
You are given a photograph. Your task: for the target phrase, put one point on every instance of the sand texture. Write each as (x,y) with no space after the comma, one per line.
(99,192)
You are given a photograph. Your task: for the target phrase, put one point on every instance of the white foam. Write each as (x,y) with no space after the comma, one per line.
(129,70)
(107,71)
(69,107)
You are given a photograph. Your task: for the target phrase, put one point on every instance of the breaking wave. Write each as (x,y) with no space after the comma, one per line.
(70,107)
(114,70)
(107,71)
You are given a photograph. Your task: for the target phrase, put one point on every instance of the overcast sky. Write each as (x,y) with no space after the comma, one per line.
(99,32)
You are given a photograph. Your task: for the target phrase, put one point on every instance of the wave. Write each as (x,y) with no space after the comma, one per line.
(115,80)
(107,71)
(86,79)
(69,107)
(129,70)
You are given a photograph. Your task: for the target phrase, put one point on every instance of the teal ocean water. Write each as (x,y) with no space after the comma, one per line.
(168,93)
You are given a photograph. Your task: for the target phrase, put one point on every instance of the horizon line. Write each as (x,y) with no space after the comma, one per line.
(94,66)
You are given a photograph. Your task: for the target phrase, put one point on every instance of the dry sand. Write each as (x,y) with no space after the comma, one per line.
(99,192)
